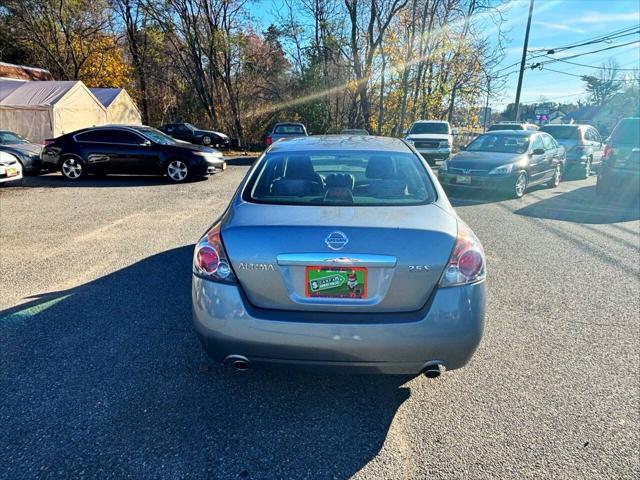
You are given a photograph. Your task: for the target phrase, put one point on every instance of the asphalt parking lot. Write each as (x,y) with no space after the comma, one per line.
(102,375)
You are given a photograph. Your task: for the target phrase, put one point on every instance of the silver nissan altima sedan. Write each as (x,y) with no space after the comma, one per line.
(340,252)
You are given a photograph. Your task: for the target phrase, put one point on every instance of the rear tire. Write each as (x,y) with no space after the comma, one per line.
(555,180)
(72,168)
(519,186)
(177,171)
(586,170)
(206,140)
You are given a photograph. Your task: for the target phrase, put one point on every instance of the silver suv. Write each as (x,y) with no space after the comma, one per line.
(583,144)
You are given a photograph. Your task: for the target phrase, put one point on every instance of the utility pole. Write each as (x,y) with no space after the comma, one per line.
(524,58)
(486,106)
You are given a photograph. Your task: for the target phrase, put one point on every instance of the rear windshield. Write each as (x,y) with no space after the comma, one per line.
(627,132)
(340,178)
(435,127)
(505,126)
(562,132)
(499,144)
(288,129)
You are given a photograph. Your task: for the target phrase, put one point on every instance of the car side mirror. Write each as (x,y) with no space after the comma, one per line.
(405,132)
(454,131)
(538,151)
(463,147)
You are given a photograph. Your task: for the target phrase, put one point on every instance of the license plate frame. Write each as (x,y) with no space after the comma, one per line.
(344,288)
(463,179)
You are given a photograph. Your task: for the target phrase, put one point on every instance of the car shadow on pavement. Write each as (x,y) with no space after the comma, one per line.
(108,378)
(56,180)
(583,206)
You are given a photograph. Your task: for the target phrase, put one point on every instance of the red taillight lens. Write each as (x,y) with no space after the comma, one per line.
(268,139)
(467,262)
(207,259)
(607,152)
(48,142)
(210,260)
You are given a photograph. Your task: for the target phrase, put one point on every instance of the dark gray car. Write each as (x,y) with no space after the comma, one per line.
(340,252)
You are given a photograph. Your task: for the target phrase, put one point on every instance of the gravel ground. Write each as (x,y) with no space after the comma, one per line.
(102,375)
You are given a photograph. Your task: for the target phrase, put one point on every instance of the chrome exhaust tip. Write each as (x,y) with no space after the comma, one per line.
(238,362)
(432,370)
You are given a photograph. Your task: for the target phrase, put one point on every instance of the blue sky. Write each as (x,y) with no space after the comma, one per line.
(561,22)
(555,23)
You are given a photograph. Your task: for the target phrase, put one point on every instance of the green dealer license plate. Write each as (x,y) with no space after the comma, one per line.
(336,282)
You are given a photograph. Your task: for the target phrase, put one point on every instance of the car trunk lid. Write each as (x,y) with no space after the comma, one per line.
(403,251)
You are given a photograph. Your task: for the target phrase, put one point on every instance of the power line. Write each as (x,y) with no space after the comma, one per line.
(554,60)
(580,76)
(625,32)
(593,66)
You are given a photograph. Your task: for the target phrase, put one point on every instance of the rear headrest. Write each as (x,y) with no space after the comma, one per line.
(381,167)
(300,168)
(339,180)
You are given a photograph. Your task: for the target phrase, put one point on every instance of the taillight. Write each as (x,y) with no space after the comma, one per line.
(467,262)
(48,142)
(607,152)
(210,260)
(268,140)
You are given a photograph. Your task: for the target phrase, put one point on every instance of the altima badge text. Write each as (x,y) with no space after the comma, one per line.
(267,267)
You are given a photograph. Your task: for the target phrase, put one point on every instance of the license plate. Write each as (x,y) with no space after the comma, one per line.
(336,282)
(12,172)
(464,179)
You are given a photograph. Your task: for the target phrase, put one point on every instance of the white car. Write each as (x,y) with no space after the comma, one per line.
(433,139)
(10,168)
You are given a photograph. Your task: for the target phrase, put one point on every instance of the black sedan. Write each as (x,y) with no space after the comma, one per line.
(509,161)
(188,133)
(27,153)
(131,149)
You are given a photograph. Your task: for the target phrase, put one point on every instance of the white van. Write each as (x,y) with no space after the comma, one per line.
(433,139)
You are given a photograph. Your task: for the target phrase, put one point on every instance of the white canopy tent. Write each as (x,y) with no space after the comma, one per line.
(47,109)
(120,106)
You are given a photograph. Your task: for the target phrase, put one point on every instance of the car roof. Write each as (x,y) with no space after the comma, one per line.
(575,125)
(289,123)
(431,121)
(340,142)
(520,133)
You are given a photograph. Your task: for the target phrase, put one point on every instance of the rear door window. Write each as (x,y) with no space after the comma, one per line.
(627,132)
(548,142)
(340,178)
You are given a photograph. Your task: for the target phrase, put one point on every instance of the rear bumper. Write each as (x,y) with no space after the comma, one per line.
(447,330)
(621,181)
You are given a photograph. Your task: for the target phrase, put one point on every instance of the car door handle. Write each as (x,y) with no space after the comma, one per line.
(336,260)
